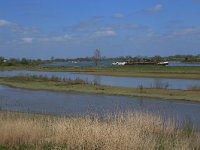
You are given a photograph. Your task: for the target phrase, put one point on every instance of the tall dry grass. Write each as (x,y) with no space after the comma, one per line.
(194,88)
(134,130)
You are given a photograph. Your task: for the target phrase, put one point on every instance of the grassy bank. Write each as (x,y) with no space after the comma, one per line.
(85,87)
(188,72)
(133,130)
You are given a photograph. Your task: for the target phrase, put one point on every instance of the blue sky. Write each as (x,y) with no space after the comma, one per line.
(75,28)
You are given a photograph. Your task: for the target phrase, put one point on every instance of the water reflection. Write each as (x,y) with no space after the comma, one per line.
(160,84)
(97,80)
(141,102)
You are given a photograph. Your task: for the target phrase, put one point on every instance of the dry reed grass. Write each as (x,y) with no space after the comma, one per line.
(135,130)
(194,88)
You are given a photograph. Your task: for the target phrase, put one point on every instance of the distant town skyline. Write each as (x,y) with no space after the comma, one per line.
(75,28)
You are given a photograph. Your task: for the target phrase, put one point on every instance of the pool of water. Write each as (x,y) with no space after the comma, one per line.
(83,63)
(183,64)
(73,104)
(134,82)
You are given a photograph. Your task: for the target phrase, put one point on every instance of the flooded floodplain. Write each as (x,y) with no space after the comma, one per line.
(133,82)
(73,104)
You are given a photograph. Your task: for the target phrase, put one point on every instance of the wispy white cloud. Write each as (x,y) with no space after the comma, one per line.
(175,22)
(104,33)
(186,31)
(24,30)
(96,25)
(126,26)
(60,38)
(36,14)
(86,25)
(27,40)
(118,15)
(4,22)
(80,37)
(178,33)
(155,9)
(19,29)
(175,34)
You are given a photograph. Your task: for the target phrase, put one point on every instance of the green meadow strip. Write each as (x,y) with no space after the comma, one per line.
(183,72)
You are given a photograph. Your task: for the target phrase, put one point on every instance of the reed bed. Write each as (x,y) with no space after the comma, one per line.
(194,88)
(44,78)
(133,130)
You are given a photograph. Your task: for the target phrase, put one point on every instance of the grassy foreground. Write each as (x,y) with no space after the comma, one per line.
(54,84)
(130,131)
(184,72)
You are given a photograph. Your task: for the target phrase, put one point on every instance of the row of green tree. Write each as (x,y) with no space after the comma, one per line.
(179,58)
(18,62)
(97,57)
(184,58)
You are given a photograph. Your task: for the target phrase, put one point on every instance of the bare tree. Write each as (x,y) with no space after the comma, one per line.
(97,56)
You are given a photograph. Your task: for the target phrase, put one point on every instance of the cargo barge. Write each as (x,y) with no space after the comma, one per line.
(139,63)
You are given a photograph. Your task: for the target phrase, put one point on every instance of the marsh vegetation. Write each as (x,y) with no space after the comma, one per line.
(176,72)
(133,130)
(81,86)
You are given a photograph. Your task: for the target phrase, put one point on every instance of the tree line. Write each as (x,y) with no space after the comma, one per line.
(18,62)
(97,57)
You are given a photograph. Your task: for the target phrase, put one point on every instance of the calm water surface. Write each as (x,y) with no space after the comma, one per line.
(83,63)
(114,81)
(73,104)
